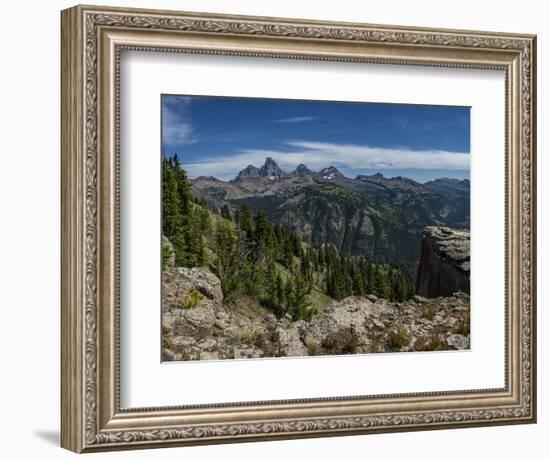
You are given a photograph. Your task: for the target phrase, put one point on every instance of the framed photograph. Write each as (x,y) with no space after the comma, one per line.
(277,228)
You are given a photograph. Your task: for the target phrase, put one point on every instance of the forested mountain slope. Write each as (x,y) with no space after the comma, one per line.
(270,262)
(372,216)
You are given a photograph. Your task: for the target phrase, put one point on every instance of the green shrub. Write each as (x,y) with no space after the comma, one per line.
(166,253)
(192,299)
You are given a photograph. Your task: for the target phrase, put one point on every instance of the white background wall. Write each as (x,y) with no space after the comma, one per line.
(29,228)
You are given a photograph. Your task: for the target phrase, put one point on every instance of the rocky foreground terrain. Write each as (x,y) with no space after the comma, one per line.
(198,325)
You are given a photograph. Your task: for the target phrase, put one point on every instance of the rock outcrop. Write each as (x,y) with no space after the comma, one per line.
(198,325)
(444,262)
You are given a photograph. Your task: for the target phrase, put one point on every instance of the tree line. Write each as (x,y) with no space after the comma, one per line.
(255,257)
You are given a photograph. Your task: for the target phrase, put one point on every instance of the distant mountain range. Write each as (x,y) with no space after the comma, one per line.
(371,215)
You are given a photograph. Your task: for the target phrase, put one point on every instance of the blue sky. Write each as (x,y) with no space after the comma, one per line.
(219,136)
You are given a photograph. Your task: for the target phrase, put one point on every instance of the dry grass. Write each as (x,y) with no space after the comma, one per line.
(312,348)
(435,342)
(463,326)
(255,337)
(168,342)
(428,313)
(398,339)
(343,342)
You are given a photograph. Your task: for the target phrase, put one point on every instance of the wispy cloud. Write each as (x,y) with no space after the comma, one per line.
(295,120)
(405,122)
(177,129)
(316,155)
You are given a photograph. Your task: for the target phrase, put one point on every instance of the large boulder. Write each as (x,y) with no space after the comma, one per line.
(179,280)
(191,302)
(444,262)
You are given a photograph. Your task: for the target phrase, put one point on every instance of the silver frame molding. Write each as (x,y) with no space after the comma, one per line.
(92,40)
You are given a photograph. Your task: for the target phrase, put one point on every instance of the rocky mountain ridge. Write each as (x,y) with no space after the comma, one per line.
(371,215)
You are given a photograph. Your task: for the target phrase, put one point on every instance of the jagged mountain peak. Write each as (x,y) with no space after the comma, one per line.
(449,184)
(375,177)
(249,171)
(302,169)
(376,210)
(270,168)
(330,173)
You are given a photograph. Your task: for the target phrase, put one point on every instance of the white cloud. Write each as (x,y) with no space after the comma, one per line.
(317,155)
(177,129)
(364,156)
(295,120)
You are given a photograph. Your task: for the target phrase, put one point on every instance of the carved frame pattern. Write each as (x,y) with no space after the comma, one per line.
(89,21)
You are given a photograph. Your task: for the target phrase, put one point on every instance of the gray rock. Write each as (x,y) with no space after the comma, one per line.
(208,345)
(378,324)
(209,355)
(214,330)
(168,355)
(459,342)
(444,262)
(289,341)
(203,281)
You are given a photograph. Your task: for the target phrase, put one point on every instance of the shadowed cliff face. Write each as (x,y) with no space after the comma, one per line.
(444,262)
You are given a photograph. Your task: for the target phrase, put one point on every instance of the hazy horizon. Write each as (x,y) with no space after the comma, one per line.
(220,136)
(288,172)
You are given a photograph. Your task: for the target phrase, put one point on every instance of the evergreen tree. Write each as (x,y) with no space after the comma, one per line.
(247,250)
(225,212)
(171,209)
(260,228)
(280,295)
(245,220)
(233,268)
(358,284)
(288,295)
(184,187)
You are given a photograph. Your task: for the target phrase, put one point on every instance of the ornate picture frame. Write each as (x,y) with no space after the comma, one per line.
(92,41)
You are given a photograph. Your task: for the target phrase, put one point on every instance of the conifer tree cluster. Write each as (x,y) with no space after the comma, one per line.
(255,257)
(183,222)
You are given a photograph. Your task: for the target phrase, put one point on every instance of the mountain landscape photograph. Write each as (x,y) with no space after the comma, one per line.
(295,228)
